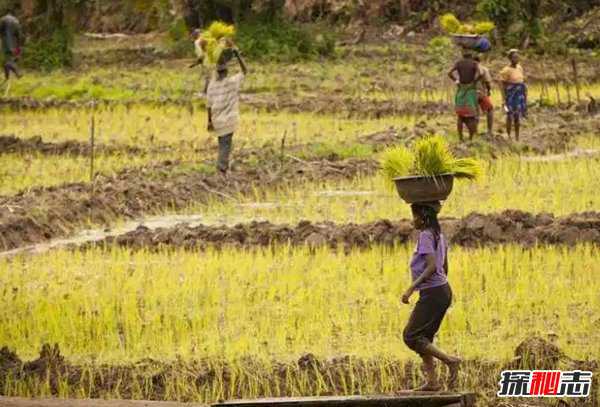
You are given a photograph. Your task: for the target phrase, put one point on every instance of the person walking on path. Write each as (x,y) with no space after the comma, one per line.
(514,93)
(12,40)
(429,269)
(223,96)
(484,95)
(465,101)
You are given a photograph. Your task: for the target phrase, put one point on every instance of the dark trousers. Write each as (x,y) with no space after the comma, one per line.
(224,152)
(427,317)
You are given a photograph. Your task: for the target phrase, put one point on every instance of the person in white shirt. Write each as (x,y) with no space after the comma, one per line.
(223,95)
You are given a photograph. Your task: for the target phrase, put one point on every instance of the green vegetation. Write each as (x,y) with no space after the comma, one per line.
(452,25)
(561,187)
(280,303)
(430,156)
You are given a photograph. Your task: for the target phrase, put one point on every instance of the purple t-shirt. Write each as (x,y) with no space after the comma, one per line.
(426,245)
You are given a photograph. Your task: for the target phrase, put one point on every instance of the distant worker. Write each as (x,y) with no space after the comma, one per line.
(429,269)
(223,96)
(484,95)
(12,40)
(514,93)
(466,103)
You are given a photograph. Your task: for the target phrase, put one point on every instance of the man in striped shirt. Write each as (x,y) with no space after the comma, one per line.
(223,95)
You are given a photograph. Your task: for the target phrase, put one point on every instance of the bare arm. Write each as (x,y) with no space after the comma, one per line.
(241,61)
(429,270)
(210,124)
(446,264)
(451,73)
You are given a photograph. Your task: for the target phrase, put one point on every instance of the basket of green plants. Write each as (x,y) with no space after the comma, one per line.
(427,171)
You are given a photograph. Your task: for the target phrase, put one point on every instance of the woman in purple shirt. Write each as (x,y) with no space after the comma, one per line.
(429,268)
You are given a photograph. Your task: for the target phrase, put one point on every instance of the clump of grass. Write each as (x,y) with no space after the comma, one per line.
(431,156)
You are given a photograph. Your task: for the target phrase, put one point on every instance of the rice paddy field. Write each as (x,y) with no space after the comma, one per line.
(288,317)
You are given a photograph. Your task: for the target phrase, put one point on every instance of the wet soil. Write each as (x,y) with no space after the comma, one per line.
(13,144)
(472,231)
(40,214)
(149,379)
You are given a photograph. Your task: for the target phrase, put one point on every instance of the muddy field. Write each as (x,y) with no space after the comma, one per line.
(41,214)
(561,127)
(474,230)
(339,375)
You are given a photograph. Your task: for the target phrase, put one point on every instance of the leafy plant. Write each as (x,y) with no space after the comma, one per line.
(280,40)
(431,156)
(50,52)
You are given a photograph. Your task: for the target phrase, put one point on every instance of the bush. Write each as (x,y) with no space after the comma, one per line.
(179,43)
(50,52)
(279,40)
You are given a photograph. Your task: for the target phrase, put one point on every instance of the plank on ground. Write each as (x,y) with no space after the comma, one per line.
(409,399)
(25,402)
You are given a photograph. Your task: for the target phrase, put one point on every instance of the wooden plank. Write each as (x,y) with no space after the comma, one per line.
(408,399)
(25,402)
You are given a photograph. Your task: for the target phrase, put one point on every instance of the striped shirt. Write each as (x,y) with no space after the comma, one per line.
(223,99)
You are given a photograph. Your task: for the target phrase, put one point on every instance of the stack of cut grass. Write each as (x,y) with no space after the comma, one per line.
(452,25)
(430,157)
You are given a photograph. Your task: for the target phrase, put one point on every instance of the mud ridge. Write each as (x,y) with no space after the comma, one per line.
(149,379)
(349,106)
(471,231)
(13,144)
(39,214)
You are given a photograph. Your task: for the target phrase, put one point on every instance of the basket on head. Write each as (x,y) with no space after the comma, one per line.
(466,40)
(414,189)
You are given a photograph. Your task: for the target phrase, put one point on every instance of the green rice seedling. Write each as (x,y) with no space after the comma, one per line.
(469,168)
(431,157)
(484,27)
(450,23)
(397,162)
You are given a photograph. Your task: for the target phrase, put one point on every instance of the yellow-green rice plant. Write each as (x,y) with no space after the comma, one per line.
(469,168)
(483,27)
(450,23)
(431,156)
(397,162)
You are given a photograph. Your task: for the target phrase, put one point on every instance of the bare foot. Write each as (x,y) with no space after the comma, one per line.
(453,368)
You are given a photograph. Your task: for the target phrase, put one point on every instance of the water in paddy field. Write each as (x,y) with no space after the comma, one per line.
(166,221)
(95,235)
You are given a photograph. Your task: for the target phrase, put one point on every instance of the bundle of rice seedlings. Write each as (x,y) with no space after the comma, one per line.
(483,27)
(397,162)
(431,156)
(219,29)
(453,25)
(218,37)
(469,168)
(450,23)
